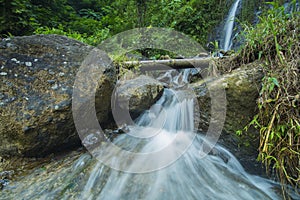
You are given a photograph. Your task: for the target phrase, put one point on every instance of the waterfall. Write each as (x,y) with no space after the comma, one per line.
(229,25)
(218,175)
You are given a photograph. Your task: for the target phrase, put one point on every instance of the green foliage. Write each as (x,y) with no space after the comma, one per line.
(94,39)
(89,13)
(271,28)
(20,17)
(92,5)
(195,18)
(15,17)
(275,41)
(85,26)
(60,31)
(248,11)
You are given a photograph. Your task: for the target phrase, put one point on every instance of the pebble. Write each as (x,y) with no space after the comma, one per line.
(225,85)
(3,73)
(2,46)
(6,174)
(61,74)
(51,72)
(14,59)
(55,87)
(27,116)
(49,119)
(28,64)
(64,89)
(35,60)
(11,46)
(11,99)
(51,81)
(1,185)
(9,84)
(26,128)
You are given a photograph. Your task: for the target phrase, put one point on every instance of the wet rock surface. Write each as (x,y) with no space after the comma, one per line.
(5,176)
(34,171)
(242,89)
(50,179)
(37,74)
(136,95)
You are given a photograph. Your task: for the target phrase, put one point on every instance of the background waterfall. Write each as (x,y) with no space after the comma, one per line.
(229,26)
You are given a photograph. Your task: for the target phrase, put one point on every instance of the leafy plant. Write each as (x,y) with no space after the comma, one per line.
(89,13)
(94,39)
(275,41)
(15,17)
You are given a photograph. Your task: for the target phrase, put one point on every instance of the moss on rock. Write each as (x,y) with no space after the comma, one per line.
(37,77)
(242,87)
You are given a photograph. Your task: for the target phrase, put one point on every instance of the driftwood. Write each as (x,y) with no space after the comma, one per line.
(149,65)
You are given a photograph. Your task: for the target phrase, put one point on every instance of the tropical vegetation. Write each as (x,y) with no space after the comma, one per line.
(274,41)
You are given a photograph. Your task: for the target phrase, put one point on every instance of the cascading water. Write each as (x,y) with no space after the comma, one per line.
(229,25)
(192,176)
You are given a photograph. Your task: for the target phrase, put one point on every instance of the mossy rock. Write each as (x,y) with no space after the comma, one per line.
(136,95)
(36,85)
(242,87)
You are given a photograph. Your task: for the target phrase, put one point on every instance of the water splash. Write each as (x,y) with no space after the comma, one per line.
(217,176)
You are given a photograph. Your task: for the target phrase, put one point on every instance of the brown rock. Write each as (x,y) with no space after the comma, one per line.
(136,95)
(36,85)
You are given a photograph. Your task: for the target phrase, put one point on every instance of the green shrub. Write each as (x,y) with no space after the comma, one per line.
(95,39)
(84,25)
(275,41)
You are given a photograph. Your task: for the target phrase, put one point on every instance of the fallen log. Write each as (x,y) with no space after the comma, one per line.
(150,65)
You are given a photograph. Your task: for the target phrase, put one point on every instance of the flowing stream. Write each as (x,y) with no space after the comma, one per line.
(217,175)
(229,25)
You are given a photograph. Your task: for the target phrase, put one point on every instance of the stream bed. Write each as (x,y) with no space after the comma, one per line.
(167,161)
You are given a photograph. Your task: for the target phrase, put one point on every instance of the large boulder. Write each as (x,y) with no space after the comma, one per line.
(134,96)
(242,87)
(37,74)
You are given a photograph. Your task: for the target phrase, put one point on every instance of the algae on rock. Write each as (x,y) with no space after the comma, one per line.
(37,77)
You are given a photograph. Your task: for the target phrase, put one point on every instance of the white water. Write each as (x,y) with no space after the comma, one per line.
(228,28)
(216,176)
